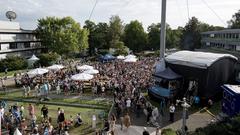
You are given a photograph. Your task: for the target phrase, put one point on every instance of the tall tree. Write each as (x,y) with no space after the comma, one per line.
(90,26)
(115,30)
(62,35)
(234,23)
(191,37)
(135,37)
(172,37)
(100,36)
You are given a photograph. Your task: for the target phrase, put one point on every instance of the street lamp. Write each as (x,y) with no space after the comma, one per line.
(185,106)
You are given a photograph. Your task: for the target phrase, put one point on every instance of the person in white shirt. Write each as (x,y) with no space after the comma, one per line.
(128,104)
(171,111)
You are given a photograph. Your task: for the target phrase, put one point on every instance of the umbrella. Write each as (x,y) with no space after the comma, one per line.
(130,60)
(38,71)
(84,67)
(120,57)
(56,67)
(130,56)
(91,71)
(82,77)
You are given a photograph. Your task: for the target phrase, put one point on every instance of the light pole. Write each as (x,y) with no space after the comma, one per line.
(185,106)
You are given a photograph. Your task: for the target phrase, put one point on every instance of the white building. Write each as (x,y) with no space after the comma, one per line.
(16,41)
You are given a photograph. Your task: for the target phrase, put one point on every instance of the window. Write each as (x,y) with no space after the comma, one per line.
(27,45)
(0,46)
(13,46)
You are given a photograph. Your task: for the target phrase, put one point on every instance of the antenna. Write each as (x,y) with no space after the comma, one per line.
(11,15)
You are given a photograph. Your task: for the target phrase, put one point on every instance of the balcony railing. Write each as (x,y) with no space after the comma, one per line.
(221,39)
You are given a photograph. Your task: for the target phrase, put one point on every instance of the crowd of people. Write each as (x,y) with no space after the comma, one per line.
(124,80)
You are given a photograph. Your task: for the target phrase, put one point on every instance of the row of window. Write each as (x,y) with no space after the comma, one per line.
(15,46)
(224,35)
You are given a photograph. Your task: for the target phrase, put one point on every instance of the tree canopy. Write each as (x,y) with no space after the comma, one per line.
(234,23)
(62,35)
(135,37)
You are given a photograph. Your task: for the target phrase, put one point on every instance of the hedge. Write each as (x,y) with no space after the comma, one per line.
(13,63)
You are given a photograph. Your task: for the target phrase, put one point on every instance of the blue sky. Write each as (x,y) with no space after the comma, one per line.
(146,11)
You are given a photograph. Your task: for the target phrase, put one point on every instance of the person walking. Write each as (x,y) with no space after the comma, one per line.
(145,132)
(127,121)
(171,112)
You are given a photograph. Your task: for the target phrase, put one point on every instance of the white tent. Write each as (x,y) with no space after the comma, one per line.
(17,132)
(84,67)
(130,56)
(121,57)
(33,58)
(37,71)
(91,71)
(130,60)
(82,77)
(56,67)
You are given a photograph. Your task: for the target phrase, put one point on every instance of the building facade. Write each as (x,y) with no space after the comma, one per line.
(16,41)
(228,39)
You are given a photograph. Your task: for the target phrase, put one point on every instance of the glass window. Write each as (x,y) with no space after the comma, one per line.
(27,45)
(13,46)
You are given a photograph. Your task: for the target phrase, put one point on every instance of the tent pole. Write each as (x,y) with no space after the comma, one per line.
(163,30)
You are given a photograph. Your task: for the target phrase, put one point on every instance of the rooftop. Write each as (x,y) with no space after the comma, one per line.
(196,59)
(234,88)
(222,31)
(12,27)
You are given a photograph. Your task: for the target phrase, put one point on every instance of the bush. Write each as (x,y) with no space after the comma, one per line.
(13,63)
(168,132)
(47,59)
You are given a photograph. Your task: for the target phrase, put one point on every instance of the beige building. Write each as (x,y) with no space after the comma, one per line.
(16,41)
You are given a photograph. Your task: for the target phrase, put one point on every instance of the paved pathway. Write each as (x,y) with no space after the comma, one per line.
(194,121)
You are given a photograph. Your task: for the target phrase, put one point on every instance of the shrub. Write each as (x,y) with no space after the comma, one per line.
(168,132)
(13,63)
(47,59)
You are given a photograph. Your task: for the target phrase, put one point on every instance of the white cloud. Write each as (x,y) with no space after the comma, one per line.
(146,11)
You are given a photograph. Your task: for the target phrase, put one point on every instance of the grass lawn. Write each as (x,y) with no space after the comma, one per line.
(85,113)
(11,73)
(96,102)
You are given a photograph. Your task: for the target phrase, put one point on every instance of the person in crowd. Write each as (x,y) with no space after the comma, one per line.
(31,110)
(106,126)
(44,111)
(171,112)
(112,122)
(127,121)
(78,120)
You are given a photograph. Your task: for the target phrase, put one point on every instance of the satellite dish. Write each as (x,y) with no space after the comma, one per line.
(11,15)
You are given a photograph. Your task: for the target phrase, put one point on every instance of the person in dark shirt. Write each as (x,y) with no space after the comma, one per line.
(44,111)
(106,126)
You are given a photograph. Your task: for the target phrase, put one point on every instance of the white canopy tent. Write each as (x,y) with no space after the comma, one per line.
(130,60)
(85,67)
(56,67)
(82,77)
(33,58)
(130,56)
(121,57)
(17,132)
(38,71)
(91,71)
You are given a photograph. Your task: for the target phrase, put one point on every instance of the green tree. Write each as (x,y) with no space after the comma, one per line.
(120,48)
(234,23)
(90,26)
(191,37)
(154,36)
(115,30)
(172,37)
(135,37)
(100,36)
(61,35)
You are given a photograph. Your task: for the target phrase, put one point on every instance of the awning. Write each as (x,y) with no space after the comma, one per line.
(168,74)
(158,91)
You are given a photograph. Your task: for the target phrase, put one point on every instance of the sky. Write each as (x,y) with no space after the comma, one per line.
(146,11)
